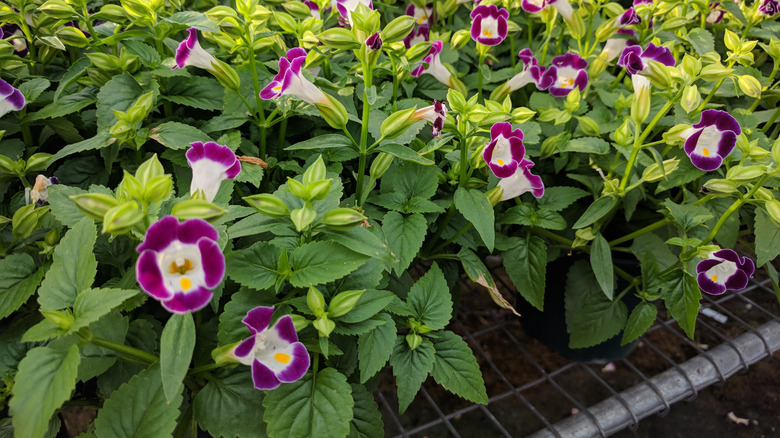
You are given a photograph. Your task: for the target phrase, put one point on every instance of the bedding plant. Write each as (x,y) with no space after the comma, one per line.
(233,217)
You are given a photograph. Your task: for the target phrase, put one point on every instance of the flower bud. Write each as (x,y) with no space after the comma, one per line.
(606,30)
(374,42)
(588,126)
(120,219)
(731,40)
(654,172)
(764,194)
(380,165)
(94,205)
(197,209)
(52,237)
(623,135)
(37,162)
(72,36)
(297,189)
(226,75)
(522,115)
(397,123)
(744,174)
(333,112)
(27,219)
(417,52)
(319,189)
(460,39)
(324,326)
(582,237)
(413,340)
(339,38)
(343,302)
(550,145)
(112,13)
(690,65)
(494,195)
(315,301)
(659,75)
(719,187)
(773,210)
(302,217)
(61,318)
(149,169)
(299,322)
(7,165)
(714,72)
(315,172)
(397,29)
(640,106)
(691,98)
(573,100)
(576,26)
(104,61)
(750,86)
(158,188)
(268,205)
(343,218)
(57,9)
(297,9)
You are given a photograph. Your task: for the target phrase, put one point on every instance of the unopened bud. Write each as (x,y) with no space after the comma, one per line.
(750,86)
(315,172)
(197,209)
(691,98)
(773,210)
(380,165)
(522,115)
(112,13)
(764,194)
(374,42)
(460,39)
(149,169)
(158,188)
(268,205)
(674,135)
(659,74)
(57,9)
(719,187)
(339,38)
(342,218)
(61,318)
(606,30)
(398,29)
(333,112)
(302,217)
(588,126)
(417,52)
(413,340)
(315,301)
(94,205)
(640,106)
(299,322)
(573,100)
(226,75)
(744,174)
(714,72)
(319,189)
(72,36)
(494,195)
(297,189)
(623,135)
(397,123)
(27,219)
(297,9)
(654,172)
(52,237)
(324,326)
(37,162)
(576,26)
(122,218)
(343,302)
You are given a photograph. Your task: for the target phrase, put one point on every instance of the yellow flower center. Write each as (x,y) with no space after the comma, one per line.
(282,357)
(422,19)
(706,152)
(500,162)
(186,266)
(277,88)
(487,33)
(714,278)
(567,83)
(186,284)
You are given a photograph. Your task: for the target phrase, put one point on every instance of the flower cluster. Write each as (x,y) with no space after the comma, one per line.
(505,156)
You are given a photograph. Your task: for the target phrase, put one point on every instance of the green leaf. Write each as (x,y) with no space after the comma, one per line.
(370,303)
(525,215)
(19,277)
(650,273)
(234,394)
(405,236)
(558,198)
(410,368)
(322,262)
(601,262)
(73,270)
(101,140)
(685,173)
(411,180)
(139,409)
(75,71)
(681,295)
(145,53)
(224,122)
(366,419)
(321,408)
(687,216)
(117,94)
(362,241)
(91,304)
(66,105)
(12,349)
(195,91)
(526,265)
(198,20)
(375,348)
(45,380)
(702,41)
(176,346)
(652,243)
(33,88)
(175,135)
(600,208)
(642,317)
(256,266)
(430,299)
(591,318)
(250,173)
(767,238)
(735,10)
(588,145)
(63,208)
(321,142)
(405,153)
(456,368)
(476,208)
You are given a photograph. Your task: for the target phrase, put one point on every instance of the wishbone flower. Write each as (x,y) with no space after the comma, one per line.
(346,7)
(489,26)
(11,99)
(290,80)
(634,59)
(563,6)
(190,52)
(433,114)
(422,16)
(419,35)
(39,193)
(180,263)
(13,33)
(505,156)
(715,15)
(769,7)
(314,8)
(724,270)
(712,139)
(628,18)
(532,72)
(564,74)
(435,67)
(274,353)
(211,164)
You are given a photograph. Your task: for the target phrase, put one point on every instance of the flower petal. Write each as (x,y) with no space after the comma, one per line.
(160,234)
(213,262)
(149,276)
(285,329)
(263,377)
(299,364)
(709,286)
(192,230)
(257,319)
(245,348)
(184,302)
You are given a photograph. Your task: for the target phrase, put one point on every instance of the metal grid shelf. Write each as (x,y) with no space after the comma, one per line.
(535,392)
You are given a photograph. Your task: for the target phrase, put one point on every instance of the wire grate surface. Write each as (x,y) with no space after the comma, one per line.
(534,392)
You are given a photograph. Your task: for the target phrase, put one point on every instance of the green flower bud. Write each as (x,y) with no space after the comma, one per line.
(297,189)
(52,237)
(149,169)
(319,189)
(573,100)
(27,219)
(714,72)
(773,210)
(414,340)
(764,194)
(691,66)
(745,174)
(141,9)
(342,218)
(417,52)
(654,172)
(576,26)
(691,98)
(158,188)
(57,9)
(197,208)
(226,75)
(120,219)
(268,205)
(37,162)
(7,165)
(719,187)
(640,106)
(773,49)
(61,318)
(340,38)
(121,130)
(285,21)
(673,24)
(623,135)
(324,326)
(365,19)
(112,13)
(494,195)
(521,115)
(460,39)
(343,302)
(588,126)
(299,322)
(731,40)
(72,36)
(397,123)
(397,29)
(315,172)
(750,86)
(94,205)
(660,75)
(550,145)
(297,9)
(380,165)
(582,237)
(606,30)
(303,217)
(104,61)
(315,301)
(333,112)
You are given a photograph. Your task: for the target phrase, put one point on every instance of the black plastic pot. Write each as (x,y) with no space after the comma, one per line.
(549,326)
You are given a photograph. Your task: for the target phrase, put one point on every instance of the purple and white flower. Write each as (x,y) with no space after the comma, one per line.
(489,26)
(11,99)
(346,7)
(314,8)
(642,2)
(769,7)
(433,114)
(628,18)
(419,35)
(635,60)
(615,46)
(505,156)
(724,270)
(290,80)
(421,15)
(191,53)
(14,35)
(532,72)
(715,15)
(712,139)
(273,352)
(374,42)
(563,6)
(566,73)
(39,192)
(180,263)
(435,67)
(211,164)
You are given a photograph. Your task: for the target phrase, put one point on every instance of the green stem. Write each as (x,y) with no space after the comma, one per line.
(463,179)
(120,348)
(203,369)
(482,53)
(639,232)
(453,238)
(395,83)
(439,229)
(250,38)
(552,236)
(771,120)
(363,147)
(282,137)
(713,91)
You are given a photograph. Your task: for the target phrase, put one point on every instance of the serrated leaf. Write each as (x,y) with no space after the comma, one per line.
(176,346)
(430,299)
(12,349)
(66,105)
(558,198)
(405,236)
(687,216)
(642,317)
(405,153)
(322,262)
(76,69)
(44,381)
(91,304)
(456,368)
(681,295)
(767,238)
(145,53)
(375,348)
(33,88)
(410,368)
(195,19)
(411,180)
(702,41)
(321,408)
(117,94)
(321,142)
(542,218)
(591,318)
(476,208)
(256,266)
(236,395)
(74,267)
(175,135)
(101,140)
(600,208)
(196,91)
(370,303)
(139,409)
(366,419)
(588,145)
(19,277)
(526,265)
(601,262)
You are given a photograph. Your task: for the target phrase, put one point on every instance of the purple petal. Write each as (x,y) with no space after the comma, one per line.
(629,17)
(721,119)
(148,274)
(531,8)
(221,155)
(476,27)
(626,60)
(269,92)
(535,180)
(193,301)
(738,281)
(160,234)
(192,230)
(245,348)
(257,319)
(299,364)
(707,264)
(263,377)
(570,60)
(185,47)
(709,286)
(582,80)
(660,54)
(706,163)
(504,171)
(5,88)
(285,329)
(213,262)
